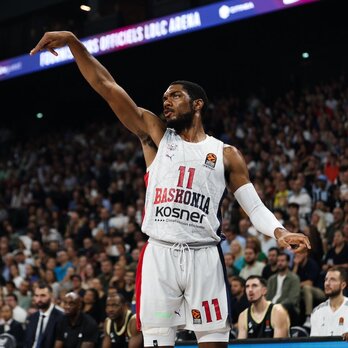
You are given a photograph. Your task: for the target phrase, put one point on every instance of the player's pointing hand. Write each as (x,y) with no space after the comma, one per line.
(52,40)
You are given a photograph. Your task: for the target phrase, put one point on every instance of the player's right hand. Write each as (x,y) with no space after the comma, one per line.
(52,40)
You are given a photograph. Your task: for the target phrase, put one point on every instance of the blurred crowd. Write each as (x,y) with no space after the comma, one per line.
(71,203)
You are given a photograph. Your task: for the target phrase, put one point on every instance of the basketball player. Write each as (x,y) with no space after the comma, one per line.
(180,277)
(120,325)
(262,319)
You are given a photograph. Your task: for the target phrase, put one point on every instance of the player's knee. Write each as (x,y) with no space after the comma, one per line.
(217,336)
(162,336)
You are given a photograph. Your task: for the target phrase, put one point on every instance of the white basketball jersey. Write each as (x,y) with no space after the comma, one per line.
(185,187)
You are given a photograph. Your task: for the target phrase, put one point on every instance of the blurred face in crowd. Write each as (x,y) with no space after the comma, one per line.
(338,239)
(272,257)
(228,257)
(42,298)
(282,263)
(235,247)
(11,301)
(255,290)
(249,256)
(71,304)
(333,285)
(6,312)
(236,288)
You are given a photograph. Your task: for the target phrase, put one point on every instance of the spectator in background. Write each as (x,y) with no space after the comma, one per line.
(10,325)
(338,254)
(295,217)
(106,273)
(24,295)
(309,273)
(128,290)
(63,265)
(271,266)
(281,195)
(254,242)
(231,270)
(238,254)
(262,319)
(239,300)
(332,168)
(315,236)
(19,313)
(76,285)
(47,315)
(284,288)
(91,305)
(230,235)
(51,280)
(320,190)
(252,266)
(76,329)
(330,318)
(338,221)
(300,196)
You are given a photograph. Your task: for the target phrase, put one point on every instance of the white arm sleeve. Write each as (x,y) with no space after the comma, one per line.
(260,216)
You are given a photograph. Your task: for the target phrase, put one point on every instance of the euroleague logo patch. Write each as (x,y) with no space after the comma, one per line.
(210,160)
(196,316)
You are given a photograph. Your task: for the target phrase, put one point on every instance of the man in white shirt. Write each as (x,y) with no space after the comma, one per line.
(330,318)
(19,313)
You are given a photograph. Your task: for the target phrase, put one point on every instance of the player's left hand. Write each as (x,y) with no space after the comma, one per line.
(345,336)
(297,242)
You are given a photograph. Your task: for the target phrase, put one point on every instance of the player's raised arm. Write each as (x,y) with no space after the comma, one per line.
(261,217)
(137,120)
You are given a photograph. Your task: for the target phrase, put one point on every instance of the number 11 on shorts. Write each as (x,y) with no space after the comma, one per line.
(215,305)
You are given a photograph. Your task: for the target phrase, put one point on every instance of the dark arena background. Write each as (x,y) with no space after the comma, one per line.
(265,64)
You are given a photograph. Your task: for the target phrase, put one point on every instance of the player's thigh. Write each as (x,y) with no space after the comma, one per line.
(160,294)
(206,298)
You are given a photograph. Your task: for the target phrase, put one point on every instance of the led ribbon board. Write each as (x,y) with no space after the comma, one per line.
(156,29)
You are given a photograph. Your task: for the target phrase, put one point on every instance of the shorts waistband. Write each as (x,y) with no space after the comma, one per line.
(190,245)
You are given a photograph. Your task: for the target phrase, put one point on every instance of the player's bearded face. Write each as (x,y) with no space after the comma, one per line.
(182,121)
(332,291)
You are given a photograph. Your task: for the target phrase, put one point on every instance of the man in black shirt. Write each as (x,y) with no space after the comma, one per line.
(271,266)
(262,319)
(239,301)
(77,329)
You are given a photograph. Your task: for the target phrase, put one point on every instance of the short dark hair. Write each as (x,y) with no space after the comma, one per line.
(282,253)
(195,91)
(14,296)
(44,285)
(274,249)
(342,271)
(262,280)
(239,279)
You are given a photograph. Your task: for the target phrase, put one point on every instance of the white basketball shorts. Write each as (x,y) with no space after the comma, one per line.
(178,286)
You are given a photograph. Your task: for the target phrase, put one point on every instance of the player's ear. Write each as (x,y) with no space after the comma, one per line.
(198,104)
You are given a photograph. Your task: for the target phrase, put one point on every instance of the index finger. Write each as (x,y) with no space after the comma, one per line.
(40,45)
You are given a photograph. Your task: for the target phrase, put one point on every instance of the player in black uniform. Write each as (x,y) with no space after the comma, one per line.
(262,319)
(120,325)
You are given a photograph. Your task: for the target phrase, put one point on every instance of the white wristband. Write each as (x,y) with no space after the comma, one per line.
(260,216)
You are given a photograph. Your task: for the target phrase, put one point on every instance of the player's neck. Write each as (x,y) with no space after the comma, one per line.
(194,134)
(336,302)
(260,306)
